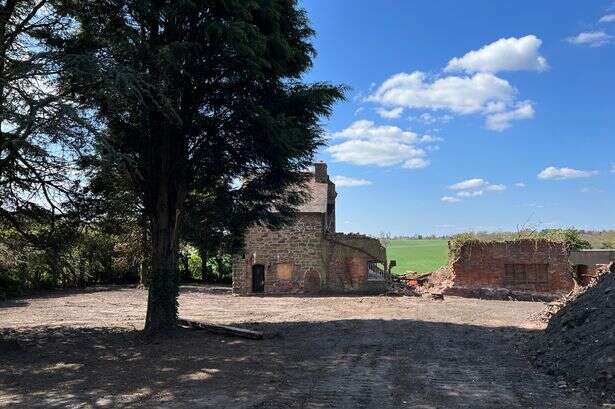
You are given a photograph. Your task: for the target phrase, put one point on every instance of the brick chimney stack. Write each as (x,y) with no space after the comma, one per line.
(320,172)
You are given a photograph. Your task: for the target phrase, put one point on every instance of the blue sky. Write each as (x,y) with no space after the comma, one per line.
(473,115)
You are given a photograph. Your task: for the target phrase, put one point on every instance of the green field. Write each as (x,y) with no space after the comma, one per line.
(422,256)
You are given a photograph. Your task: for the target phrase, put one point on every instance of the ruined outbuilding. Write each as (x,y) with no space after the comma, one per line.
(530,266)
(309,256)
(587,264)
(539,266)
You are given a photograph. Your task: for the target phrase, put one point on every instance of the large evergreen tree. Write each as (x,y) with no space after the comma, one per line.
(194,95)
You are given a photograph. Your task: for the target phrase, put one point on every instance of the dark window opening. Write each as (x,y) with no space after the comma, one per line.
(519,274)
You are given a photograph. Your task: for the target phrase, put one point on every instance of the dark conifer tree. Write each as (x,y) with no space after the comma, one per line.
(194,95)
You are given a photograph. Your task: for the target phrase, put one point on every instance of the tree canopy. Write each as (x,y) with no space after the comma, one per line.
(194,98)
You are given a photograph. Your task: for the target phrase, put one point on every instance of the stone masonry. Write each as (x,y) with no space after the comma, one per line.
(308,256)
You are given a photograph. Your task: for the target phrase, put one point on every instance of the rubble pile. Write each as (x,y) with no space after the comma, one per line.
(399,286)
(579,342)
(441,279)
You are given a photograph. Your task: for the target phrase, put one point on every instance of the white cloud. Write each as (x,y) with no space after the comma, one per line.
(390,113)
(461,95)
(416,163)
(555,173)
(520,184)
(495,188)
(449,199)
(609,18)
(469,184)
(347,181)
(500,121)
(430,139)
(475,187)
(465,193)
(591,38)
(380,145)
(364,129)
(612,167)
(591,190)
(505,54)
(482,93)
(429,118)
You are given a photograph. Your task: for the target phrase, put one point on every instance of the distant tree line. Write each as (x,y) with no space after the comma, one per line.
(598,239)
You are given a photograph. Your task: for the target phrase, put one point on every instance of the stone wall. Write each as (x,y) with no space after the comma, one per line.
(302,258)
(347,258)
(483,265)
(292,257)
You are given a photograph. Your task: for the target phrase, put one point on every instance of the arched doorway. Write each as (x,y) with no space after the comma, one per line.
(258,278)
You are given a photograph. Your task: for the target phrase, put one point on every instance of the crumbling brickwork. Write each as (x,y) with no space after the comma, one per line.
(348,256)
(539,266)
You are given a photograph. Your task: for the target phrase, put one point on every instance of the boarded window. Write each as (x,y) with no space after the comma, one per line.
(284,271)
(518,274)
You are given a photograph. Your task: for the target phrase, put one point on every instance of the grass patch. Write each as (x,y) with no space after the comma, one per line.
(422,256)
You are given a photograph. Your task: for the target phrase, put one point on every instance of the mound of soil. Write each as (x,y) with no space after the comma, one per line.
(579,342)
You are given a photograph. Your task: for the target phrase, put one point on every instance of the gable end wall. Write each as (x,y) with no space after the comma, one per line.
(300,244)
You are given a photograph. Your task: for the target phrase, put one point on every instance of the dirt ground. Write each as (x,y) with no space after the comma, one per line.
(83,350)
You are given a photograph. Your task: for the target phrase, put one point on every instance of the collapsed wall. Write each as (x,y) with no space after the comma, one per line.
(579,342)
(527,266)
(349,257)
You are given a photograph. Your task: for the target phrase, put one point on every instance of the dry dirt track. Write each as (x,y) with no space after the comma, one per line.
(80,349)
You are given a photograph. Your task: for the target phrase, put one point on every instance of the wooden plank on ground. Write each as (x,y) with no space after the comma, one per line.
(222,329)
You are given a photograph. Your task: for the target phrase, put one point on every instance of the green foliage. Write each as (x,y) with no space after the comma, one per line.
(573,239)
(193,96)
(456,242)
(195,265)
(63,255)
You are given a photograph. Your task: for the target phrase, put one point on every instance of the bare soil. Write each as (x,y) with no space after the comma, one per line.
(83,350)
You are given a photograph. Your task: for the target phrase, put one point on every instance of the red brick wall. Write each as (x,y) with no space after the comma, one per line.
(482,264)
(348,255)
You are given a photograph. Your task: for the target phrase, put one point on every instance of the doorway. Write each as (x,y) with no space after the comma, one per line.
(258,278)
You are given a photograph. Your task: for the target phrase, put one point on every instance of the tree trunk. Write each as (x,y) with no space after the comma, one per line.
(164,281)
(144,267)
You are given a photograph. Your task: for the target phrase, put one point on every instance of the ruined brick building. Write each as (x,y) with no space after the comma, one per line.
(525,266)
(309,256)
(535,266)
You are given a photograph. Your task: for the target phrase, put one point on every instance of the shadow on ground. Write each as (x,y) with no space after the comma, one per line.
(335,364)
(21,301)
(13,303)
